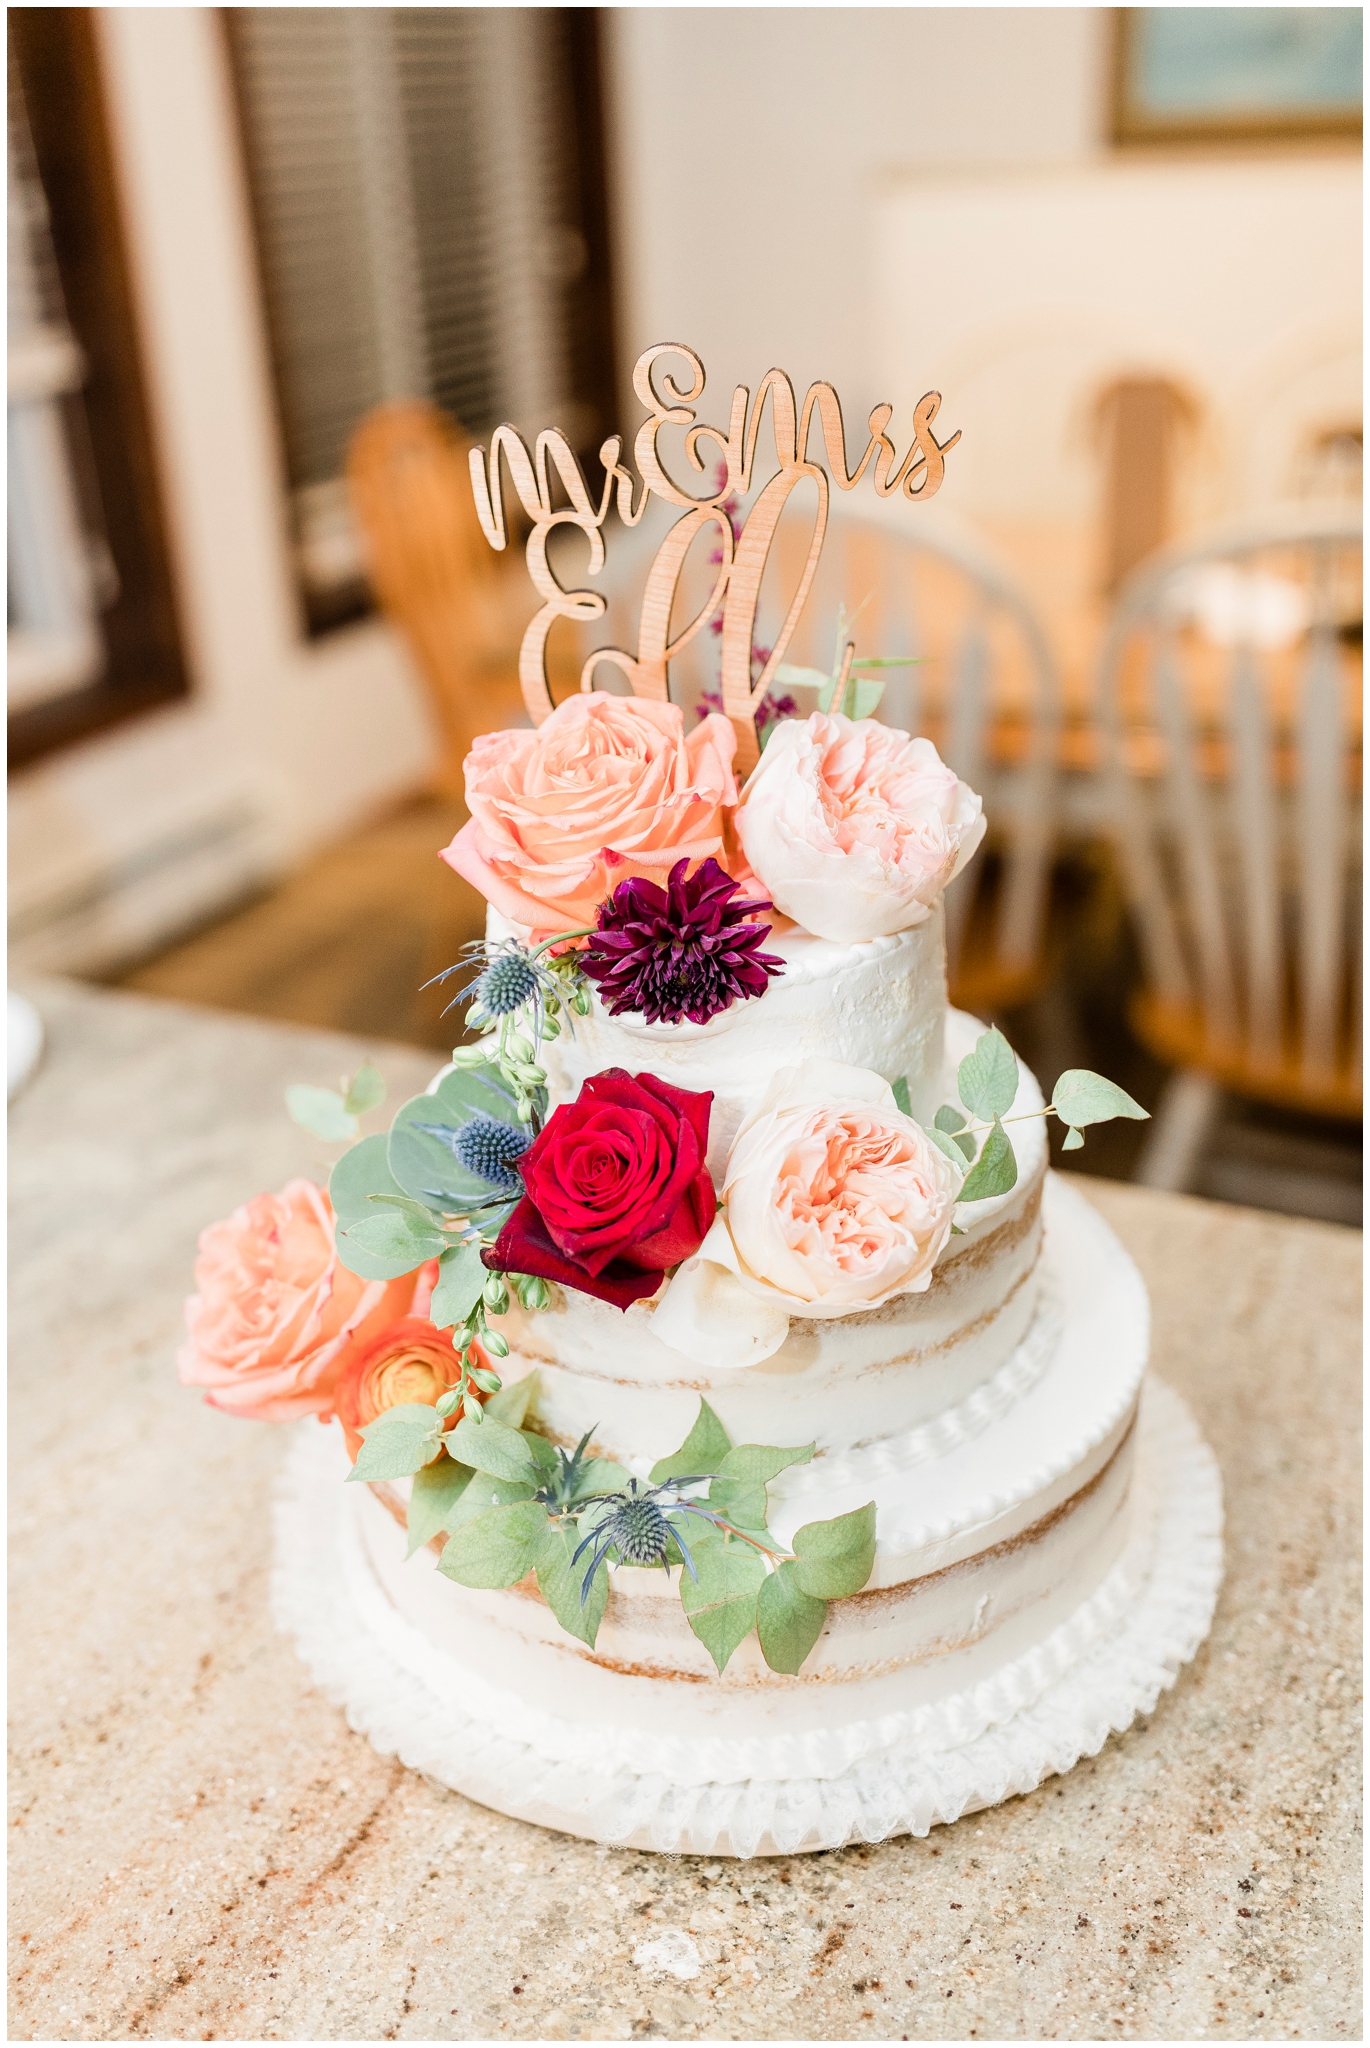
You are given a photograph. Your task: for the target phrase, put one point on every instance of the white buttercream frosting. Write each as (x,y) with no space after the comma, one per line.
(880,1004)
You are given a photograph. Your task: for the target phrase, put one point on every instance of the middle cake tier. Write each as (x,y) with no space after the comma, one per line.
(834,1382)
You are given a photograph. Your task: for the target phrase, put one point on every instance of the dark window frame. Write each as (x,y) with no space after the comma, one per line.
(59,61)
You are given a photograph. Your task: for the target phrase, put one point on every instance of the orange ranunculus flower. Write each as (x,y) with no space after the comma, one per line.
(276,1313)
(411,1361)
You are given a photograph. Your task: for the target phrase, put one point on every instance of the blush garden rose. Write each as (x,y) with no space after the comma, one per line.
(834,1202)
(835,1198)
(616,1189)
(854,830)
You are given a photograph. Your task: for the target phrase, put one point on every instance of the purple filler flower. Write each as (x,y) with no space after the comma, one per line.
(681,951)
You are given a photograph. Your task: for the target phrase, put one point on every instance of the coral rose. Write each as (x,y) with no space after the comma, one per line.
(834,1201)
(411,1361)
(854,830)
(616,1189)
(605,789)
(276,1311)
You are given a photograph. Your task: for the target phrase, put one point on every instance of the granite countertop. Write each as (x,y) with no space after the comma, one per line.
(201,1849)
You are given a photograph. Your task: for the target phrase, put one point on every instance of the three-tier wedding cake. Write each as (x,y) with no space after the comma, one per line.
(752,1438)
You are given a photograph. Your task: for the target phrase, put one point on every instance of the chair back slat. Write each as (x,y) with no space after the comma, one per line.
(1322,853)
(1256,827)
(1193,829)
(965,752)
(1233,798)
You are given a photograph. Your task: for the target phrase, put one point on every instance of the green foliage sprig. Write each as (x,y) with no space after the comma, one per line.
(849,687)
(329,1115)
(979,1145)
(510,1503)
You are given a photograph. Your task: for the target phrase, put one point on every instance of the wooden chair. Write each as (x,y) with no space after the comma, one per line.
(1228,702)
(435,575)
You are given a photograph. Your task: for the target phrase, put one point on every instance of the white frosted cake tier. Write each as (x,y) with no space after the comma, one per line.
(835,1382)
(1053,1575)
(879,1004)
(981,1552)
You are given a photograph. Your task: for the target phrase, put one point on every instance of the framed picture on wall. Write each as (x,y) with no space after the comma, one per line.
(1214,74)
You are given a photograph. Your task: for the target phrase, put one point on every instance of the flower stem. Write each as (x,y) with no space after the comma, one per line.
(584,931)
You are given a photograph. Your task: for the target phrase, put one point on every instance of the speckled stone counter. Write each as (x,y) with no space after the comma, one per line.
(202,1850)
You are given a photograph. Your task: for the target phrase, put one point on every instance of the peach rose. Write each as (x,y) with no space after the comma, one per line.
(854,830)
(411,1361)
(834,1201)
(270,1329)
(604,789)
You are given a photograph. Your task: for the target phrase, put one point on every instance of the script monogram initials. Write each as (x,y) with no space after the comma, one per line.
(738,583)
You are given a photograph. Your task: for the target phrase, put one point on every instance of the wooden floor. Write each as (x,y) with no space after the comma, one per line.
(348,942)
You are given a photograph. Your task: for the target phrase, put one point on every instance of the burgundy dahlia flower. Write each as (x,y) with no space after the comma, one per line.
(682,951)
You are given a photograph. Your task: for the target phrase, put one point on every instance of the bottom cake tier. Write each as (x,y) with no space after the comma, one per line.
(1037,1585)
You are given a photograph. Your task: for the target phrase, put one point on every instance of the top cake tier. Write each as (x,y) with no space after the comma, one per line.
(879,1004)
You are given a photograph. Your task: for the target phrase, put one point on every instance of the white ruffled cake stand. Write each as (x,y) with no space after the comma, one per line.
(1035,1716)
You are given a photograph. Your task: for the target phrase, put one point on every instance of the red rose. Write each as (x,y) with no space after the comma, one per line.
(616,1189)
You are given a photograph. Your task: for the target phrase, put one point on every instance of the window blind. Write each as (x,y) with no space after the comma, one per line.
(417,184)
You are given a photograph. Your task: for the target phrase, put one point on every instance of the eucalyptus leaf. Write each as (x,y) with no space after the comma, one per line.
(834,1559)
(797,678)
(484,1493)
(320,1111)
(899,1088)
(361,1173)
(721,1606)
(461,1282)
(864,694)
(1080,1097)
(995,1171)
(366,1092)
(543,1454)
(559,1583)
(397,1240)
(949,1119)
(703,1450)
(397,1442)
(741,1502)
(946,1144)
(789,1621)
(987,1078)
(758,1464)
(1072,1141)
(511,1404)
(600,1475)
(492,1447)
(497,1548)
(436,1490)
(424,1165)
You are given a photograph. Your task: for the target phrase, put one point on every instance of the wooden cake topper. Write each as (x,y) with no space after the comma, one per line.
(737,586)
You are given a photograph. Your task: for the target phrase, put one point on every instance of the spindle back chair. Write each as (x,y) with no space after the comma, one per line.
(1228,702)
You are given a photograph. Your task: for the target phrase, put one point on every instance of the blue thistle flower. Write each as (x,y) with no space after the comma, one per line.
(639,1524)
(507,984)
(502,979)
(486,1147)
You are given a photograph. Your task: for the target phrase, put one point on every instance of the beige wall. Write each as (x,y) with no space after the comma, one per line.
(282,743)
(751,144)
